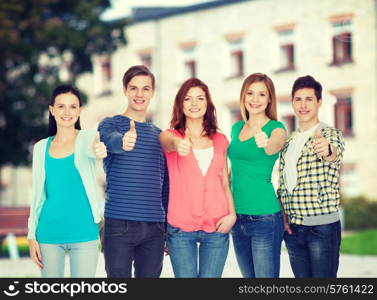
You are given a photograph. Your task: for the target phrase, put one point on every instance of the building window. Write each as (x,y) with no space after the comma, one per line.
(145,57)
(284,103)
(235,113)
(146,60)
(343,114)
(187,65)
(236,58)
(289,122)
(237,63)
(342,42)
(106,76)
(190,68)
(106,71)
(102,75)
(286,50)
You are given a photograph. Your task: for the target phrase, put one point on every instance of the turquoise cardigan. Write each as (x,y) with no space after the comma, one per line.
(85,162)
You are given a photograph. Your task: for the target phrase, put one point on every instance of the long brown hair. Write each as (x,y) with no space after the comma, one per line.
(271,110)
(178,121)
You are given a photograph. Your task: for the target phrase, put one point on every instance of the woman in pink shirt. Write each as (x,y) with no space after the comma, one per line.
(201,210)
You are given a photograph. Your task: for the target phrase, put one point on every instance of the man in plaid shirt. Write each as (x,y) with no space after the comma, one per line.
(309,186)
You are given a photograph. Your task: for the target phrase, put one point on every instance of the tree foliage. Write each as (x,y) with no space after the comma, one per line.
(37,38)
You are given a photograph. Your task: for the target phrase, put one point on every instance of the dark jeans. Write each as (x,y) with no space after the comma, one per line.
(139,242)
(257,243)
(314,250)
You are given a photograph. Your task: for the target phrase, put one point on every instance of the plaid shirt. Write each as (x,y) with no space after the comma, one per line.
(317,190)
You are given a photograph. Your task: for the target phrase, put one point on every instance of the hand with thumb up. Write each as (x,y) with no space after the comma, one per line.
(321,145)
(129,138)
(183,146)
(261,138)
(99,148)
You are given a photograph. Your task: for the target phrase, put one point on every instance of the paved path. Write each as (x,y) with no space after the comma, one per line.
(350,266)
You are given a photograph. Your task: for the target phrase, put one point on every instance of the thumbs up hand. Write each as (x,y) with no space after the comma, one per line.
(320,145)
(183,146)
(129,138)
(99,148)
(261,138)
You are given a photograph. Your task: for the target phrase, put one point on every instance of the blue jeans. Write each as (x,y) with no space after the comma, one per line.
(139,242)
(257,243)
(83,259)
(185,252)
(314,250)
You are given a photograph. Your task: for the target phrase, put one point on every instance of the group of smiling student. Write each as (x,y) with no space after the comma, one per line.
(170,191)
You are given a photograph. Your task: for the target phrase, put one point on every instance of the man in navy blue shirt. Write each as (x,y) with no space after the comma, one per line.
(136,184)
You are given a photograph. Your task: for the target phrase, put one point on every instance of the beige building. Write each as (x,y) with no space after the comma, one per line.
(221,42)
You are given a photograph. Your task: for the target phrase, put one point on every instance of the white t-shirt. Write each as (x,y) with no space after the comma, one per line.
(293,154)
(204,158)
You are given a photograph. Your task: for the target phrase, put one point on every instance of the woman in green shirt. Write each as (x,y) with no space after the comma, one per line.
(255,144)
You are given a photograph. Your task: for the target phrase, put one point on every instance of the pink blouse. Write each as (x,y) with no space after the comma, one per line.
(197,202)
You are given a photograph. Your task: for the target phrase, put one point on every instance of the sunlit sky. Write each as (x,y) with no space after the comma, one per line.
(122,8)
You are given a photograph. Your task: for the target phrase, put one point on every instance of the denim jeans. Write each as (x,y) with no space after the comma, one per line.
(83,259)
(186,249)
(126,242)
(257,243)
(314,250)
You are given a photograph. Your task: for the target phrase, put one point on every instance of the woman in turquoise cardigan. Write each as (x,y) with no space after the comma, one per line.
(64,211)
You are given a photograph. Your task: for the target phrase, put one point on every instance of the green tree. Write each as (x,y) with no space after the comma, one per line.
(36,38)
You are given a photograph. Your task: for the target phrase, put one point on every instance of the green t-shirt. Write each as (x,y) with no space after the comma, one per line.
(251,168)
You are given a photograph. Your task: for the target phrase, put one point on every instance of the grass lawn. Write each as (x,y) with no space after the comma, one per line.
(22,245)
(361,243)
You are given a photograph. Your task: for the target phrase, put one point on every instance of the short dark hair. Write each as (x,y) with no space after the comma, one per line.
(307,82)
(138,70)
(62,89)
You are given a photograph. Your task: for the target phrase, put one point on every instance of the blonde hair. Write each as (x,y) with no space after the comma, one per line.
(271,110)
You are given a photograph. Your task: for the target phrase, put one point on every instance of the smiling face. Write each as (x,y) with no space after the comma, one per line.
(256,98)
(66,110)
(139,92)
(195,103)
(306,106)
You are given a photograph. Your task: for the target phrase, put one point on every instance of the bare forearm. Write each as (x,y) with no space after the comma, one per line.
(273,147)
(275,142)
